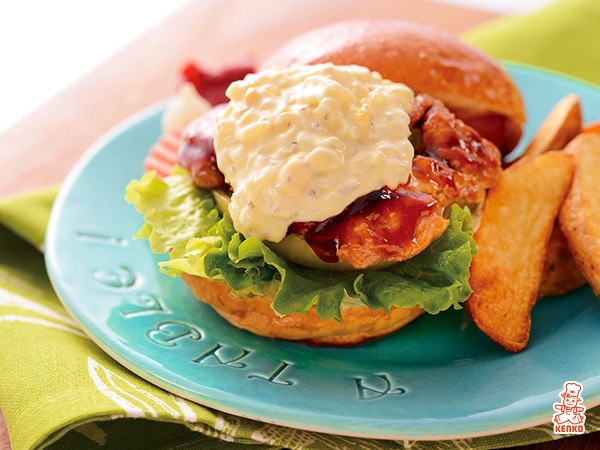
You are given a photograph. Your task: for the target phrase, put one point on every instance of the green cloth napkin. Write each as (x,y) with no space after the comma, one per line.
(564,36)
(60,391)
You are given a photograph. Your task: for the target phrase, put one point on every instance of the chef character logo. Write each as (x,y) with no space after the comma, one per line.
(570,415)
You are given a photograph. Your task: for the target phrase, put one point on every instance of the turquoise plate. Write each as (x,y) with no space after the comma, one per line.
(438,378)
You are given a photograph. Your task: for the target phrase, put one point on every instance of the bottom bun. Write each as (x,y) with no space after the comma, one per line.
(255,314)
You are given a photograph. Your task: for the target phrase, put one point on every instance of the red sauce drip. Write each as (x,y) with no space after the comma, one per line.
(435,178)
(391,217)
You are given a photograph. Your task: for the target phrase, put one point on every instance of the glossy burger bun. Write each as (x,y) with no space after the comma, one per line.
(469,82)
(254,314)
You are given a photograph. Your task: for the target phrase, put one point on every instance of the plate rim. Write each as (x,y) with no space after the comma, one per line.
(51,262)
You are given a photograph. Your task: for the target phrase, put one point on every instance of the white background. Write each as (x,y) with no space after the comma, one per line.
(38,39)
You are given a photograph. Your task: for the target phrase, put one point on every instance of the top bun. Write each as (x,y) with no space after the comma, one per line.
(469,82)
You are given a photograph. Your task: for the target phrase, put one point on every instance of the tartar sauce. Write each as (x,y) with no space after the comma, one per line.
(301,143)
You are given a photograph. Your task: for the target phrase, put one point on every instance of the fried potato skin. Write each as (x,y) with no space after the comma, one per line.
(591,127)
(561,274)
(579,217)
(562,124)
(516,224)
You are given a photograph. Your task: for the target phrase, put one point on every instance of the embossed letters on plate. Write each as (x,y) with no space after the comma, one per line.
(170,332)
(216,356)
(378,386)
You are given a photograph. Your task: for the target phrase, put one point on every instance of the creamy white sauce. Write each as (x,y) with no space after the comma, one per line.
(301,143)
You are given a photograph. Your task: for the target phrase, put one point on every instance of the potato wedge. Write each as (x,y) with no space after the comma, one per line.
(591,127)
(562,124)
(579,217)
(517,220)
(560,274)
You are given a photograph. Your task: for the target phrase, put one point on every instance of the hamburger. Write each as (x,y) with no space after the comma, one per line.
(331,200)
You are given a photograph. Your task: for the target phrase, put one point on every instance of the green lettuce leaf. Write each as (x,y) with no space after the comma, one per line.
(186,223)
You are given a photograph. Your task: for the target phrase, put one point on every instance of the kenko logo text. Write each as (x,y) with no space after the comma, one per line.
(570,414)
